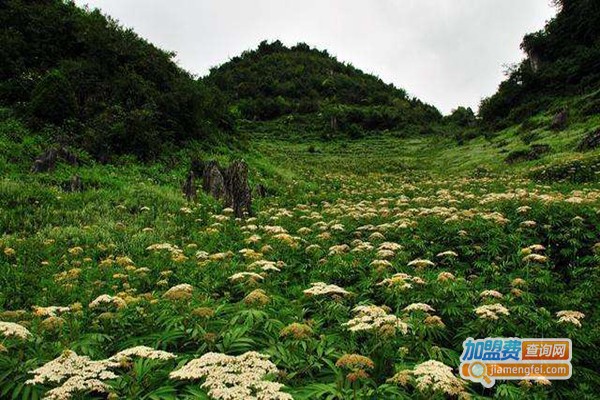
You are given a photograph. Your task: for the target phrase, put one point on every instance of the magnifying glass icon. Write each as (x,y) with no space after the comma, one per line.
(478,371)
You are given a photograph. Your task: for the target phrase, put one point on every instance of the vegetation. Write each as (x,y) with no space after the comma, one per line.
(354,215)
(275,81)
(81,79)
(361,273)
(563,60)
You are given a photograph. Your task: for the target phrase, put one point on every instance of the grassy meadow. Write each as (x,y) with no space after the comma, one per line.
(418,243)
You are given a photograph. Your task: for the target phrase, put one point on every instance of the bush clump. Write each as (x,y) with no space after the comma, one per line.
(574,171)
(590,141)
(534,152)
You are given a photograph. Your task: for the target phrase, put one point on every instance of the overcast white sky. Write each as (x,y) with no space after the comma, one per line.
(445,52)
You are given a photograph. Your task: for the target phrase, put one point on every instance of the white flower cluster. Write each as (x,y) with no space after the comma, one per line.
(240,276)
(251,254)
(143,352)
(391,246)
(234,378)
(381,264)
(163,246)
(339,249)
(399,281)
(76,384)
(265,265)
(448,253)
(419,307)
(182,291)
(371,318)
(570,317)
(491,311)
(358,246)
(437,377)
(421,263)
(321,288)
(50,311)
(107,299)
(171,248)
(536,258)
(273,230)
(9,329)
(388,250)
(534,248)
(491,293)
(77,374)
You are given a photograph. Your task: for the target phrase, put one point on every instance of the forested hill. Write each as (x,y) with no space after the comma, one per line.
(274,81)
(70,75)
(563,61)
(80,78)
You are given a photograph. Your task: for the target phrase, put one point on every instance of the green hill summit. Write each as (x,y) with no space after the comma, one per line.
(274,81)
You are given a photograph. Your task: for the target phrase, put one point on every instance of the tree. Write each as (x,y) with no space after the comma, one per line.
(53,99)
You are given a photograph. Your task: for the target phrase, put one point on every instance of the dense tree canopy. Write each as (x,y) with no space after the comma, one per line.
(275,80)
(562,59)
(106,89)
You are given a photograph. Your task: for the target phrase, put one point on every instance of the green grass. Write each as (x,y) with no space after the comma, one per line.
(427,194)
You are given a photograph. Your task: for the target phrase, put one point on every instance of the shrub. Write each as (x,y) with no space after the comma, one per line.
(53,99)
(575,171)
(590,141)
(532,153)
(107,89)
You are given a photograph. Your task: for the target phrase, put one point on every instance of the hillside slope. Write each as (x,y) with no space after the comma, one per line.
(275,81)
(79,78)
(563,61)
(129,262)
